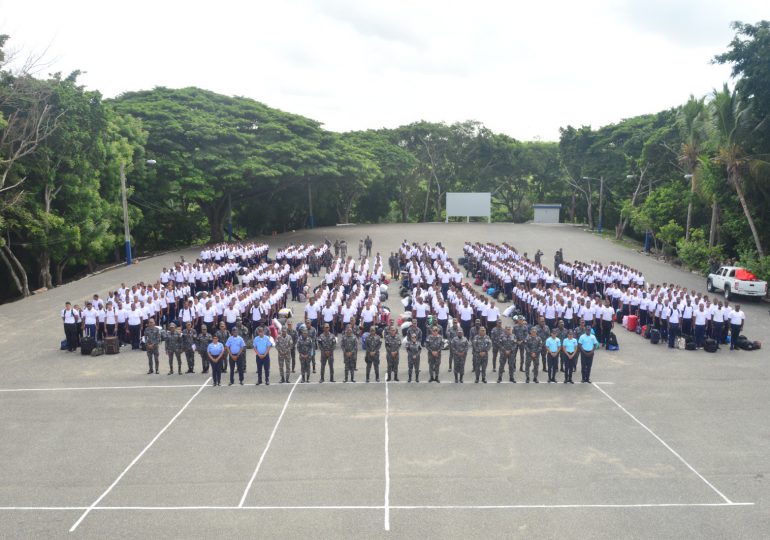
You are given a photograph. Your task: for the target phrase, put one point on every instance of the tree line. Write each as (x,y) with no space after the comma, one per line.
(203,167)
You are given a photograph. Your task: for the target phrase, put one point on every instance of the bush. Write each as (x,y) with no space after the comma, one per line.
(760,267)
(696,253)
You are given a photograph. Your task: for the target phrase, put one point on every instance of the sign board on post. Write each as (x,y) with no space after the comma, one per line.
(469,204)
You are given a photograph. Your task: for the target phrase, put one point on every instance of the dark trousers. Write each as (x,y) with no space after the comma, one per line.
(716,331)
(71,334)
(216,371)
(263,365)
(735,331)
(586,362)
(422,324)
(673,333)
(570,364)
(606,329)
(90,330)
(700,334)
(134,330)
(687,327)
(506,357)
(553,366)
(324,361)
(238,363)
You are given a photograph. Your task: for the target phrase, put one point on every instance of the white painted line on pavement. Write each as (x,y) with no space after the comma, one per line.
(64,389)
(664,443)
(138,457)
(387,460)
(269,442)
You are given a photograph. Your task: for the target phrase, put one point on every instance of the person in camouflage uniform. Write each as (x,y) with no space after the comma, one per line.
(413,348)
(543,332)
(245,333)
(495,335)
(413,330)
(284,344)
(520,334)
(392,347)
(533,345)
(481,345)
(304,348)
(459,348)
(434,344)
(202,344)
(152,339)
(188,341)
(561,333)
(373,343)
(451,333)
(475,329)
(349,346)
(223,336)
(312,334)
(507,352)
(327,344)
(294,337)
(174,348)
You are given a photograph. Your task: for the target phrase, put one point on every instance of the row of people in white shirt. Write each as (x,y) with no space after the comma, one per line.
(234,252)
(331,305)
(351,271)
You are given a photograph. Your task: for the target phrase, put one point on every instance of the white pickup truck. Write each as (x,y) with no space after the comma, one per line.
(734,280)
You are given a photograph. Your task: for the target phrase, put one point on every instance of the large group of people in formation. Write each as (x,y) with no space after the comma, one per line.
(234,298)
(599,295)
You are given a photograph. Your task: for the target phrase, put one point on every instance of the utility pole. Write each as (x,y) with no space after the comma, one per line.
(310,221)
(229,217)
(126,231)
(601,201)
(124,196)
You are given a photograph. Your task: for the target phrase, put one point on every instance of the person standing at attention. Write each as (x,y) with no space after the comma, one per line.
(216,351)
(262,346)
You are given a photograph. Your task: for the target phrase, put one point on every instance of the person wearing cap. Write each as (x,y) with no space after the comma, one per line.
(223,336)
(189,337)
(284,344)
(215,351)
(174,348)
(495,334)
(305,349)
(569,346)
(70,318)
(327,343)
(262,346)
(234,347)
(507,351)
(553,347)
(587,344)
(152,339)
(202,344)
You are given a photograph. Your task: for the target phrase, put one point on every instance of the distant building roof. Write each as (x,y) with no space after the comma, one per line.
(555,205)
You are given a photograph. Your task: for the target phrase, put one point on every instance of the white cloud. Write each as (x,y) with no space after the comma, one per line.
(523,69)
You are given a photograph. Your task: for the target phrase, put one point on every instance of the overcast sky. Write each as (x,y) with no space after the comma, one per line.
(522,68)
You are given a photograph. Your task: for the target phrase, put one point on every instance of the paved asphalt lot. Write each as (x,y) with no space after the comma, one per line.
(666,446)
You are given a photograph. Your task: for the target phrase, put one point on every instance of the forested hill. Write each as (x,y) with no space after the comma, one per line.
(199,164)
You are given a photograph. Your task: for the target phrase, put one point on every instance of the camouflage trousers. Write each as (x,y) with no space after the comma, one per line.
(171,355)
(284,365)
(392,365)
(533,362)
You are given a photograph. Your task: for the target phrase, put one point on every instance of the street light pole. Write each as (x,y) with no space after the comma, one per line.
(601,202)
(124,196)
(126,231)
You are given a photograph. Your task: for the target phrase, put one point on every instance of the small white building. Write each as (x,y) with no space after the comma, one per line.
(547,213)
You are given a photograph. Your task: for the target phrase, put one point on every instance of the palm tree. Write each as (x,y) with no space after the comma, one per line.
(692,119)
(732,123)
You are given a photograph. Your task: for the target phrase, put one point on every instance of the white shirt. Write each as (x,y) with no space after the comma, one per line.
(89,316)
(737,317)
(69,316)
